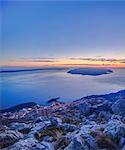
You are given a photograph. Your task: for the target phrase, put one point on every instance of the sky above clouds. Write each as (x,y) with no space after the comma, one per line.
(38,33)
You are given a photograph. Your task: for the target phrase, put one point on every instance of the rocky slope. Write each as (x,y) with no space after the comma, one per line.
(91,123)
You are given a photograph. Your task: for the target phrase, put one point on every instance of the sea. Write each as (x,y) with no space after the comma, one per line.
(42,85)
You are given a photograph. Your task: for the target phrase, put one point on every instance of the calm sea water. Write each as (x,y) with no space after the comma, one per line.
(40,86)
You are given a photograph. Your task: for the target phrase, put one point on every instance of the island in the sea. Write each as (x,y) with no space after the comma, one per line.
(90,71)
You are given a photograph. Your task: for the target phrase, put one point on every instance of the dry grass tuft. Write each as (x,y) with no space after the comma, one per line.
(104,141)
(62,143)
(53,131)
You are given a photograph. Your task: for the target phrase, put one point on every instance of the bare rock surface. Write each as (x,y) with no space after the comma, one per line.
(91,123)
(119,107)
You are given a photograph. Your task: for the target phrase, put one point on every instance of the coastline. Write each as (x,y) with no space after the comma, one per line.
(31,81)
(95,122)
(30,69)
(111,97)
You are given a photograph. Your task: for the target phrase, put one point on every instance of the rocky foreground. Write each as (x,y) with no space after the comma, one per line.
(91,123)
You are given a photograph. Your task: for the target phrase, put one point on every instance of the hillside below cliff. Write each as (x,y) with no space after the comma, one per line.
(94,122)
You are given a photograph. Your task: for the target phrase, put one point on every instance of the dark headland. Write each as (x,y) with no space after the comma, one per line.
(90,71)
(30,69)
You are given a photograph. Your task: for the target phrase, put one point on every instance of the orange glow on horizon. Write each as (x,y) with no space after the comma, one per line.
(64,63)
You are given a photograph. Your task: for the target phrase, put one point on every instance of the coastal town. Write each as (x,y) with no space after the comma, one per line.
(94,122)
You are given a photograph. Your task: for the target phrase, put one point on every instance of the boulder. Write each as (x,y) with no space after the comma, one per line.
(31,143)
(75,145)
(82,139)
(38,119)
(9,137)
(123,148)
(82,142)
(93,117)
(47,145)
(88,122)
(116,117)
(105,115)
(40,126)
(85,108)
(115,129)
(89,142)
(119,107)
(21,127)
(37,128)
(55,121)
(104,106)
(121,142)
(41,119)
(68,127)
(26,144)
(48,139)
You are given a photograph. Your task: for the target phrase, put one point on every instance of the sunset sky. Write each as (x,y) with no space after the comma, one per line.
(67,33)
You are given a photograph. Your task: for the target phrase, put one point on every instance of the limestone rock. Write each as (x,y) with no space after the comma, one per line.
(9,137)
(119,107)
